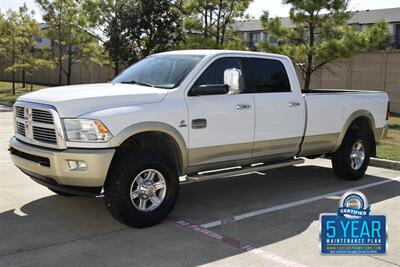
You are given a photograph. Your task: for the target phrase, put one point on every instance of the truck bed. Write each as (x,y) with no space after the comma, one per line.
(334,91)
(328,112)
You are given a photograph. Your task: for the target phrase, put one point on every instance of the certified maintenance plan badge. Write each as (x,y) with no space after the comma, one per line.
(353,230)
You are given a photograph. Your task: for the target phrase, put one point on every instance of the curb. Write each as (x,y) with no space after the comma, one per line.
(385,163)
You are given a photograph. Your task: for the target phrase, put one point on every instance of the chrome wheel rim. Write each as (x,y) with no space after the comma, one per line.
(148,190)
(357,155)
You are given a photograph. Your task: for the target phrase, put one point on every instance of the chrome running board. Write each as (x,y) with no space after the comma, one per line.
(227,173)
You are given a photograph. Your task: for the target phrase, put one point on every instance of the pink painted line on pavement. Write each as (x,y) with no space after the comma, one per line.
(234,242)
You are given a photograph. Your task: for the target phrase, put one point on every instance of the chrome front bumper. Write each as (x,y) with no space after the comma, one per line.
(53,164)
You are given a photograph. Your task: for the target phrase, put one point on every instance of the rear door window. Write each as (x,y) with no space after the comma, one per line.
(265,76)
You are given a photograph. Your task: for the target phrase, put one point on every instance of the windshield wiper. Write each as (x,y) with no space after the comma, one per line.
(140,83)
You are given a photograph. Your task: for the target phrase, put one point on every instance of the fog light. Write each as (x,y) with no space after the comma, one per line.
(77,165)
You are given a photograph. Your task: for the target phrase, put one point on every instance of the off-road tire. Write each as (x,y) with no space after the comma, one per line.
(341,162)
(118,184)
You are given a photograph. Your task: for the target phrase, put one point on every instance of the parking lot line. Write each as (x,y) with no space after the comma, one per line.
(294,204)
(235,243)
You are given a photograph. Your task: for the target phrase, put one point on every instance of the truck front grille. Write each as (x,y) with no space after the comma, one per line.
(45,135)
(21,128)
(20,112)
(42,116)
(39,125)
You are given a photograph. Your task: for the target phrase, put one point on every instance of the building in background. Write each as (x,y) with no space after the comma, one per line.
(41,41)
(252,30)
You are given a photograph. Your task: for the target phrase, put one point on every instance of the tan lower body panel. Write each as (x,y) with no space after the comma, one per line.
(272,148)
(215,157)
(212,154)
(319,144)
(98,162)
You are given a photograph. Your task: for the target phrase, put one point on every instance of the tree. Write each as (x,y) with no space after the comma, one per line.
(3,36)
(108,18)
(27,46)
(149,26)
(320,35)
(69,22)
(10,40)
(18,30)
(209,21)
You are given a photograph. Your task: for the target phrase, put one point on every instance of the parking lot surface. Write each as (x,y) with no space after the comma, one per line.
(258,219)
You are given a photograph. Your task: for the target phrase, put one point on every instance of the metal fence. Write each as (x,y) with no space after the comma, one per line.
(378,71)
(81,73)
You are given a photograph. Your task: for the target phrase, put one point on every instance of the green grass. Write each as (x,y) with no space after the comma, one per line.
(389,148)
(6,95)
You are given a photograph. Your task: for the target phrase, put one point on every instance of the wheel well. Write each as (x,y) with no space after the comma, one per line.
(365,126)
(152,140)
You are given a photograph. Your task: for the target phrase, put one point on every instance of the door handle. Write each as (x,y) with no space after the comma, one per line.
(243,106)
(294,104)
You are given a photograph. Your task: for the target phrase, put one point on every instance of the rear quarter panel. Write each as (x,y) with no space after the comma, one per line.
(329,115)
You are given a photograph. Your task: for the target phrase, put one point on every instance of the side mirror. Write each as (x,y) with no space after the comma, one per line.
(232,79)
(209,89)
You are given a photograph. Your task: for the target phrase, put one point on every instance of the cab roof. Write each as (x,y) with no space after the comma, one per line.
(209,52)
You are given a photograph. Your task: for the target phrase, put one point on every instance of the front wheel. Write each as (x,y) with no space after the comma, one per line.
(142,189)
(350,161)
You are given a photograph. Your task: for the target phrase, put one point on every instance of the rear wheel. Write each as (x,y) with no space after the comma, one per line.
(350,161)
(142,189)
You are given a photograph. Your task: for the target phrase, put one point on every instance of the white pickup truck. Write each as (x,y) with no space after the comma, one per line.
(184,114)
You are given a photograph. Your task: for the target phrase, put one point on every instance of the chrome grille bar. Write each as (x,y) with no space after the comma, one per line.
(20,112)
(21,128)
(42,116)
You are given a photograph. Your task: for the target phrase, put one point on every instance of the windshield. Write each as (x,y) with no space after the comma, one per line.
(164,71)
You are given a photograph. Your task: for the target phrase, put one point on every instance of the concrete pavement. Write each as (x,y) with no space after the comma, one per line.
(38,228)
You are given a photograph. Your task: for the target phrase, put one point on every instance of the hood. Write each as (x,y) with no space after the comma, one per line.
(75,100)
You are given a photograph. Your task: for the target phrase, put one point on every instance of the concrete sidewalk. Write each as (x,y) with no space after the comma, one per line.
(38,228)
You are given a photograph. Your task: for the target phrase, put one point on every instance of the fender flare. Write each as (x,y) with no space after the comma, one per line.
(161,127)
(362,113)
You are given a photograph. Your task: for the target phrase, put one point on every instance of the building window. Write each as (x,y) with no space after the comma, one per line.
(253,39)
(38,39)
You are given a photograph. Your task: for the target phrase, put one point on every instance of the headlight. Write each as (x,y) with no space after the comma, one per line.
(85,130)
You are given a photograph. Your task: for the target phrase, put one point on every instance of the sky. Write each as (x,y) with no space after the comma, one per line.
(275,7)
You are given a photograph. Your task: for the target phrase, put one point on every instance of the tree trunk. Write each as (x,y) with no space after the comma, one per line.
(13,82)
(219,24)
(116,47)
(307,80)
(60,66)
(223,35)
(23,77)
(13,72)
(31,82)
(308,72)
(60,50)
(310,60)
(116,67)
(206,19)
(69,70)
